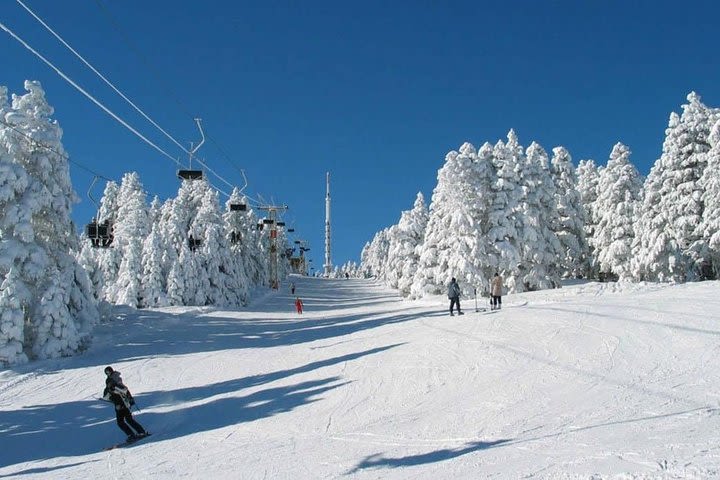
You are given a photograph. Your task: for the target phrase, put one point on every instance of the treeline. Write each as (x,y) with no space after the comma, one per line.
(536,218)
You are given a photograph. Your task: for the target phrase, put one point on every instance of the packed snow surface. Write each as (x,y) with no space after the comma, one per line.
(588,381)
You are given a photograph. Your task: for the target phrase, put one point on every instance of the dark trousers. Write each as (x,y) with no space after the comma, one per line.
(124,418)
(496,301)
(454,301)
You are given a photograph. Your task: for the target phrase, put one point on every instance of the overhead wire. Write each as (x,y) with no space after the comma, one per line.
(84,92)
(123,96)
(65,156)
(166,88)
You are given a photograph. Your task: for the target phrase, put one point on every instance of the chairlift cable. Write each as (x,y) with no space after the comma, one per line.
(84,92)
(166,88)
(108,82)
(67,157)
(124,97)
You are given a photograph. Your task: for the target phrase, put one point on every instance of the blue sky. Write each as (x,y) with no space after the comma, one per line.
(374,92)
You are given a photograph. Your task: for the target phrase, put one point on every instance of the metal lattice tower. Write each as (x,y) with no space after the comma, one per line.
(328,262)
(273,232)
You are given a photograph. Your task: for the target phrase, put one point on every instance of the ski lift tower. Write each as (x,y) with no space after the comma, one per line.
(328,262)
(272,222)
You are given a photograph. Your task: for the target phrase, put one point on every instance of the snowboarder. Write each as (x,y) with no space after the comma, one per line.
(454,296)
(292,288)
(298,304)
(496,287)
(117,393)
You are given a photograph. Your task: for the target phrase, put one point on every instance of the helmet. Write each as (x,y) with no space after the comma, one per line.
(108,370)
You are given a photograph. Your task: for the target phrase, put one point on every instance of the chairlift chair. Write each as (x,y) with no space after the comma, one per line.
(238,207)
(190,174)
(100,234)
(194,243)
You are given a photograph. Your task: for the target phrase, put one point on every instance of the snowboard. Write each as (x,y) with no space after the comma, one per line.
(127,442)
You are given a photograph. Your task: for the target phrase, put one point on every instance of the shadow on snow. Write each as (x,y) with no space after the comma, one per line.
(85,427)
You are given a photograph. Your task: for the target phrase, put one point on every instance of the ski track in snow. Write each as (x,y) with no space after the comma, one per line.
(592,381)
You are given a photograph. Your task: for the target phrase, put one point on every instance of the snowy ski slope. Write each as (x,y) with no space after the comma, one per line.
(593,381)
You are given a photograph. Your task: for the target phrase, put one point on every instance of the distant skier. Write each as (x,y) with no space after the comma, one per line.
(117,393)
(347,276)
(298,304)
(496,287)
(454,296)
(292,288)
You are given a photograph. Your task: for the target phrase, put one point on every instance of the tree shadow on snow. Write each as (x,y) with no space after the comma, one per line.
(32,471)
(379,461)
(87,426)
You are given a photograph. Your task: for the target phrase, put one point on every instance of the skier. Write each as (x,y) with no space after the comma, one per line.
(117,393)
(454,296)
(298,304)
(292,288)
(496,287)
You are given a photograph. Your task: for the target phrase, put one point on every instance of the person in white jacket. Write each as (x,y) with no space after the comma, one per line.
(496,288)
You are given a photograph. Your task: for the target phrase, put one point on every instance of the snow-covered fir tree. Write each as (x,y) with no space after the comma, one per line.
(504,224)
(130,230)
(450,233)
(571,219)
(47,308)
(412,224)
(588,176)
(709,228)
(540,248)
(108,259)
(214,254)
(619,191)
(672,206)
(404,239)
(153,278)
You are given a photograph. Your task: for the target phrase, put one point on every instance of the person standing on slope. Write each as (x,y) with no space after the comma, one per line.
(298,304)
(454,296)
(496,287)
(117,393)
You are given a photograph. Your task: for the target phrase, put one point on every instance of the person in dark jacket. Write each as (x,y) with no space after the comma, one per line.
(117,393)
(454,296)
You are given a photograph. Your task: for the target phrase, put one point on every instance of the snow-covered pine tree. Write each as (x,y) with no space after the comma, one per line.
(214,253)
(540,247)
(153,279)
(108,259)
(131,229)
(413,224)
(179,240)
(672,202)
(570,226)
(504,225)
(46,302)
(403,239)
(393,266)
(709,228)
(588,176)
(450,234)
(376,254)
(619,190)
(239,237)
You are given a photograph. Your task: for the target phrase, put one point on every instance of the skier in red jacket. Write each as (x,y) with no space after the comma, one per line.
(298,304)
